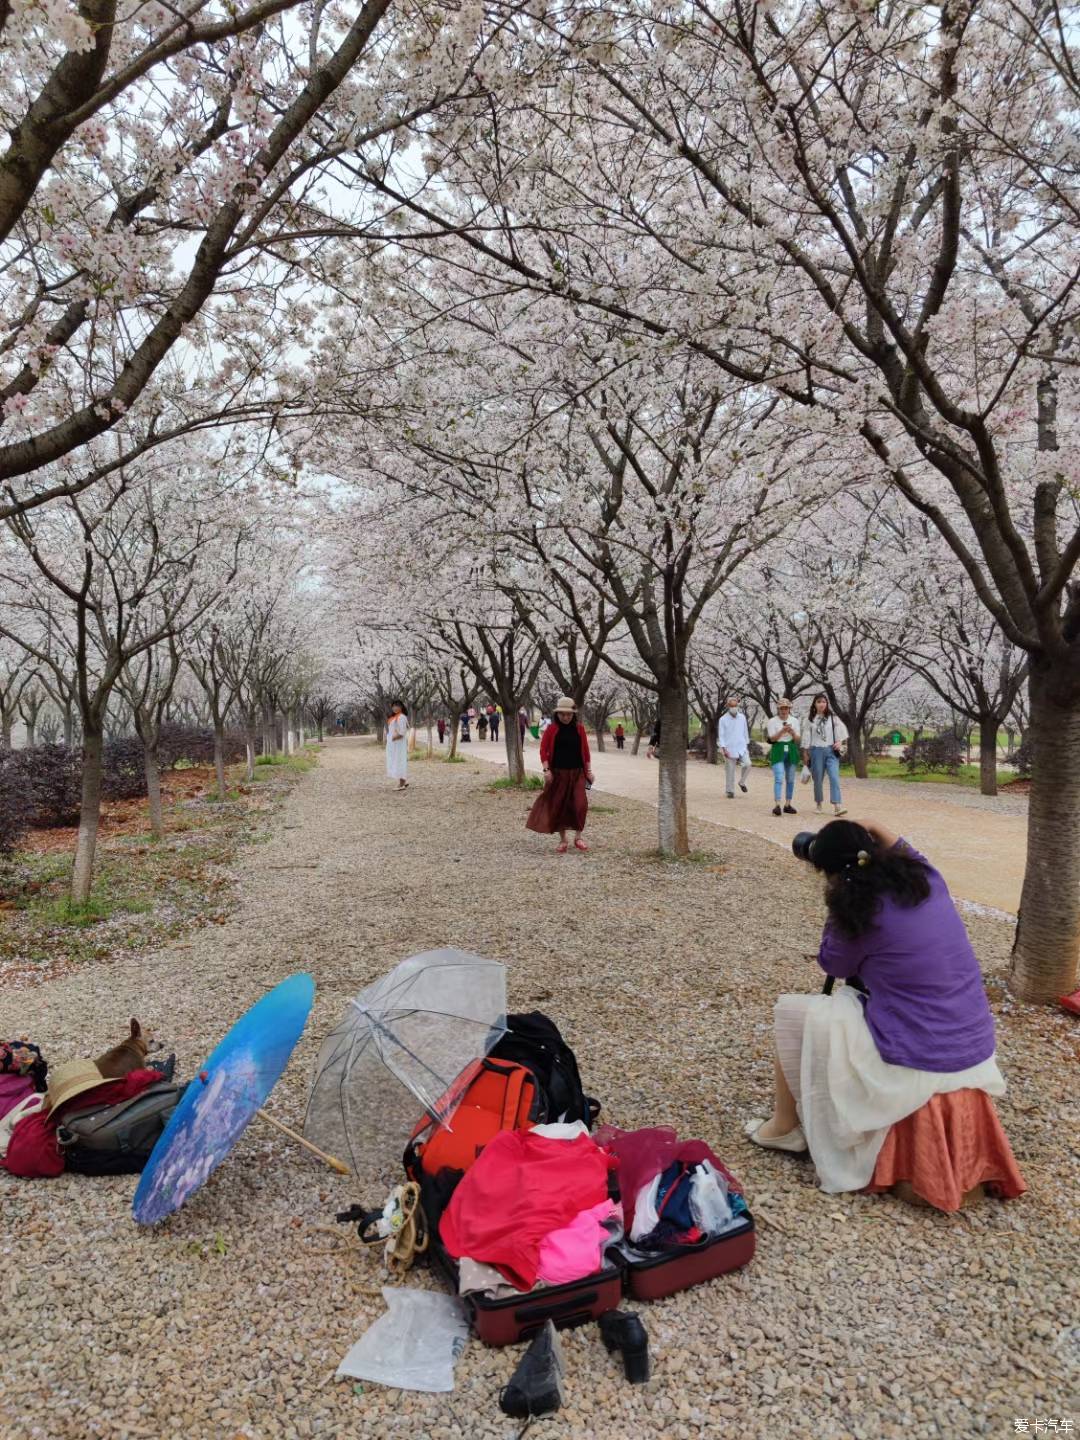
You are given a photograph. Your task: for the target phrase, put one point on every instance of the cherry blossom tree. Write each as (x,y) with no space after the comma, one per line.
(122,564)
(869,216)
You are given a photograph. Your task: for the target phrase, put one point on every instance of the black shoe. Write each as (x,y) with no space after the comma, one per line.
(731,794)
(790,810)
(743,788)
(620,1331)
(535,1387)
(777,810)
(165,1068)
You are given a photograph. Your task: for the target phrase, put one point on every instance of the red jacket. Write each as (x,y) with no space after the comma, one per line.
(33,1152)
(547,744)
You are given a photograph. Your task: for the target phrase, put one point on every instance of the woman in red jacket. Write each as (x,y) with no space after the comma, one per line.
(563,804)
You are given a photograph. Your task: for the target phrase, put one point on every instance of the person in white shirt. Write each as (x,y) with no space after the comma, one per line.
(733,737)
(783,730)
(823,743)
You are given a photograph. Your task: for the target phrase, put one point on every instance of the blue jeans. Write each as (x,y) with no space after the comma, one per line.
(781,771)
(825,761)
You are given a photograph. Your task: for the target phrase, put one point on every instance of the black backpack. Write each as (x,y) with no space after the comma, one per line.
(534,1041)
(117,1139)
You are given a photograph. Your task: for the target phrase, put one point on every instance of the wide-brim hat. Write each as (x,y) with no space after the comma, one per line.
(564,703)
(71,1079)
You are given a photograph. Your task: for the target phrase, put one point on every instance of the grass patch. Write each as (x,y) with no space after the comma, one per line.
(695,857)
(602,810)
(100,906)
(297,764)
(454,760)
(889,768)
(531,782)
(146,892)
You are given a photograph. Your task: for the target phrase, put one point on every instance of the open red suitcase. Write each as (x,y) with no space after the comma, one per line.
(519,1317)
(691,1265)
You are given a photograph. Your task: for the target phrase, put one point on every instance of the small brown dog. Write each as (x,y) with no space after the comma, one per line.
(129,1055)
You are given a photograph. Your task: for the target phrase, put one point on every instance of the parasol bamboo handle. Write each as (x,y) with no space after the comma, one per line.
(330,1160)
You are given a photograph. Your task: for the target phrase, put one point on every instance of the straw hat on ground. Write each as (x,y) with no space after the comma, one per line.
(71,1079)
(565,705)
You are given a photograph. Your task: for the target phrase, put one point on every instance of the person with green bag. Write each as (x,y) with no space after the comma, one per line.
(783,730)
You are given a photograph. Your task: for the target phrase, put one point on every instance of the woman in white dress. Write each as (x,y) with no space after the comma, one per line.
(397,745)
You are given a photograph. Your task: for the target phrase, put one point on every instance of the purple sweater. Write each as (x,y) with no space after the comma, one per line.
(927,1007)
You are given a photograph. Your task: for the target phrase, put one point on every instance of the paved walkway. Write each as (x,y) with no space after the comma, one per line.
(979,849)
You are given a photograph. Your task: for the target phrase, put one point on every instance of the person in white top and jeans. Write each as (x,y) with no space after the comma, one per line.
(823,742)
(733,737)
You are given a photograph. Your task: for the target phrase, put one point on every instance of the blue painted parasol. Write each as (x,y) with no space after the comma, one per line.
(217,1106)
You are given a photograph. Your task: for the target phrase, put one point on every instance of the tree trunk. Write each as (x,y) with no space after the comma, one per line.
(636,746)
(287,732)
(601,727)
(69,728)
(1046,949)
(219,760)
(674,738)
(988,733)
(320,732)
(712,745)
(515,755)
(31,734)
(152,770)
(430,736)
(455,732)
(250,748)
(82,874)
(5,733)
(857,752)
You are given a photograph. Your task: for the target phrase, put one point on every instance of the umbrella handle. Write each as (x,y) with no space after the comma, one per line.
(330,1160)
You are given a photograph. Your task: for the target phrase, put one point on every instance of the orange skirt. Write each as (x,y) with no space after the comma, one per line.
(952,1144)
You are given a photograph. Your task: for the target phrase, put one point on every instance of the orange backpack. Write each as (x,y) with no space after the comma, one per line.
(494,1095)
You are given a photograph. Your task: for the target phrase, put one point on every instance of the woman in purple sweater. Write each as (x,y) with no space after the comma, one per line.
(912,1022)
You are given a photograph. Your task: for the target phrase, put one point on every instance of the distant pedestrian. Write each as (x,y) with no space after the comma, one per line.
(783,730)
(654,741)
(563,804)
(397,745)
(481,726)
(733,737)
(523,724)
(440,725)
(466,738)
(493,724)
(823,743)
(620,737)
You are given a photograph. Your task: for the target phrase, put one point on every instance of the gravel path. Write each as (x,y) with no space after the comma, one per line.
(860,1317)
(979,842)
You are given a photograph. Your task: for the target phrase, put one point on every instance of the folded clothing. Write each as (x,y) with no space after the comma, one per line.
(33,1151)
(643,1154)
(683,1205)
(13,1090)
(28,1105)
(522,1187)
(577,1249)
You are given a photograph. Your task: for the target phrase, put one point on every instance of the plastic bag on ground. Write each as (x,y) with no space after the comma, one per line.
(414,1345)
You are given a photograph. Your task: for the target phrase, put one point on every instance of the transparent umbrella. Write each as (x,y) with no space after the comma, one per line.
(398,1049)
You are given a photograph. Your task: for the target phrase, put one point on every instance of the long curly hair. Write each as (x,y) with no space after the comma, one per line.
(859,873)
